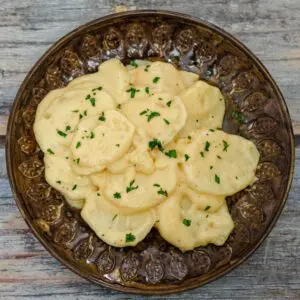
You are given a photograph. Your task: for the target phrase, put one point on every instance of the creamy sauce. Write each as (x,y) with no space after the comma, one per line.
(139,146)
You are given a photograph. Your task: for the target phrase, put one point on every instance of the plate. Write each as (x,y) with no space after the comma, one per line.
(255,109)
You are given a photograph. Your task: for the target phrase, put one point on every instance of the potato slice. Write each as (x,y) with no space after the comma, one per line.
(59,114)
(101,140)
(160,116)
(60,175)
(160,77)
(183,225)
(220,163)
(205,107)
(114,227)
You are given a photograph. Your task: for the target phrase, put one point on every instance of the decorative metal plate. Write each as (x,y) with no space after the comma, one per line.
(255,109)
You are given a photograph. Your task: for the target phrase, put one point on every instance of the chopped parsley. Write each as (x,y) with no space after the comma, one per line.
(210,167)
(133,63)
(131,187)
(155,143)
(85,113)
(88,97)
(68,127)
(186,222)
(238,116)
(58,181)
(226,145)
(93,101)
(167,121)
(114,217)
(147,90)
(99,88)
(162,192)
(152,115)
(207,145)
(169,103)
(98,194)
(156,79)
(171,153)
(74,187)
(102,117)
(202,153)
(129,238)
(156,184)
(207,208)
(217,179)
(61,133)
(77,161)
(50,151)
(117,196)
(149,114)
(189,137)
(78,144)
(119,106)
(75,111)
(212,130)
(92,135)
(219,157)
(187,157)
(146,68)
(117,145)
(132,91)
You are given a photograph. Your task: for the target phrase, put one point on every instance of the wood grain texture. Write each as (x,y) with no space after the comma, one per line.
(270,28)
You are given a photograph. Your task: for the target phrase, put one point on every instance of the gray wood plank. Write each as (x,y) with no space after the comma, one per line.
(271,29)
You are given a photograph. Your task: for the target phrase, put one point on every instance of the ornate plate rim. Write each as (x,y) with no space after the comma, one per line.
(116,286)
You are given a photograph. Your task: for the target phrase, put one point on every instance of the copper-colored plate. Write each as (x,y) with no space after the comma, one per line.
(255,109)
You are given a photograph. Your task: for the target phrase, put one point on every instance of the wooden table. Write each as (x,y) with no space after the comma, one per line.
(270,28)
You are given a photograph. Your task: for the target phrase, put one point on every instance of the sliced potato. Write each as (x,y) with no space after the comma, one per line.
(114,227)
(160,116)
(220,163)
(159,77)
(205,107)
(183,225)
(58,116)
(60,175)
(109,135)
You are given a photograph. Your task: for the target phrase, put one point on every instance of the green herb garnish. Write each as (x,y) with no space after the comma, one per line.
(156,184)
(102,117)
(92,135)
(133,63)
(238,116)
(202,153)
(226,145)
(171,153)
(78,144)
(212,130)
(132,91)
(114,217)
(58,181)
(155,143)
(156,79)
(146,68)
(68,127)
(169,103)
(186,222)
(207,208)
(129,238)
(74,187)
(131,187)
(207,145)
(217,179)
(187,157)
(219,157)
(50,151)
(93,101)
(162,192)
(147,90)
(61,133)
(77,161)
(167,122)
(117,195)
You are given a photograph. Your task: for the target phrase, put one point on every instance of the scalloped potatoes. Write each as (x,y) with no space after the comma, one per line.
(138,146)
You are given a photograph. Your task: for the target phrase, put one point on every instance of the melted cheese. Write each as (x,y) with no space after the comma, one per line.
(220,163)
(137,146)
(182,224)
(112,225)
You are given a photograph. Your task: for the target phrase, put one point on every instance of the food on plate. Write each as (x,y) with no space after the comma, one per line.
(140,146)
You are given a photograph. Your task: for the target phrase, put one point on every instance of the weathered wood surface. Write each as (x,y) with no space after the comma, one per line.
(270,28)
